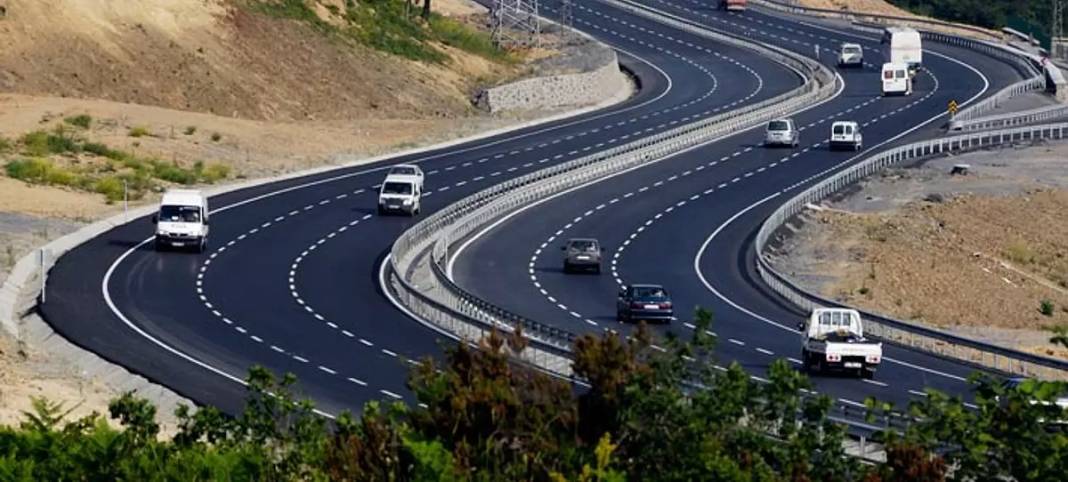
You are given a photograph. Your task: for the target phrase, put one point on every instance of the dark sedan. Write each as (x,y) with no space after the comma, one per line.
(644,302)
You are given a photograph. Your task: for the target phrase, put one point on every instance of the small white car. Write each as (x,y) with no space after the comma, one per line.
(782,132)
(182,220)
(851,55)
(400,194)
(846,135)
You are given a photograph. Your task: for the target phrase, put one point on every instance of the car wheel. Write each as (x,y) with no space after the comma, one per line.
(159,245)
(381,212)
(867,374)
(619,317)
(597,269)
(567,267)
(203,246)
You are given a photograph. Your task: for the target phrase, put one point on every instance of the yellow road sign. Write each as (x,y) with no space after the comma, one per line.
(952,107)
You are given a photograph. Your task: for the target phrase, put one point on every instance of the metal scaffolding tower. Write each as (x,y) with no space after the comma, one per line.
(515,23)
(1057,31)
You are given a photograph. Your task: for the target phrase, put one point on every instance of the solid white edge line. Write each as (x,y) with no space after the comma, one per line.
(868,152)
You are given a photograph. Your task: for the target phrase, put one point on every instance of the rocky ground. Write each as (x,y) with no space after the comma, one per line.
(984,254)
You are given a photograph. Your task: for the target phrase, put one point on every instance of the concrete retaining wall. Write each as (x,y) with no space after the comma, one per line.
(589,75)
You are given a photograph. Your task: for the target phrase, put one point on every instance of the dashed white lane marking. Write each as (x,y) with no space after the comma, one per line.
(736,342)
(874,382)
(917,393)
(766,352)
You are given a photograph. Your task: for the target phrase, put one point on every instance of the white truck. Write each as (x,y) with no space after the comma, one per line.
(903,46)
(833,339)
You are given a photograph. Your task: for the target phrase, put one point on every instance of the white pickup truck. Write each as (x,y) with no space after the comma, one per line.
(833,339)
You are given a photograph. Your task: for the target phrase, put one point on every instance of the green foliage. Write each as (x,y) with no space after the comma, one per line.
(190,130)
(139,174)
(390,26)
(1046,307)
(81,120)
(1033,16)
(216,137)
(457,35)
(139,131)
(41,143)
(487,418)
(5,145)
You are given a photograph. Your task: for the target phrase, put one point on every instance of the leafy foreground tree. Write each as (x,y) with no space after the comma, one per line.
(645,412)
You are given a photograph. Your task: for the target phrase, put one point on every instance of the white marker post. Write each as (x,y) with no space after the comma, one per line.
(41,260)
(125,201)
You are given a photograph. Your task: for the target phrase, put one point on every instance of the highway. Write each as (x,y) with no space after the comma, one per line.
(687,222)
(289,280)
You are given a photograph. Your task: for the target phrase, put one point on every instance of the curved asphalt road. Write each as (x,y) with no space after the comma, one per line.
(290,279)
(687,222)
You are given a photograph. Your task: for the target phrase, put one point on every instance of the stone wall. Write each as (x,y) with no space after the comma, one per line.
(583,74)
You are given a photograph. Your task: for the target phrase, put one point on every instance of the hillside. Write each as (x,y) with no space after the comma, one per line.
(253,59)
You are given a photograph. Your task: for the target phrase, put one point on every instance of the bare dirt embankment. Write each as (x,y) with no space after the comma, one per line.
(160,93)
(985,254)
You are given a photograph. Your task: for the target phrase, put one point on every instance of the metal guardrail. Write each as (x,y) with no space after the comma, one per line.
(430,240)
(1033,116)
(902,332)
(991,103)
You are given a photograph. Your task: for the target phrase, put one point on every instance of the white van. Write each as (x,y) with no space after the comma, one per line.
(400,193)
(903,46)
(846,134)
(896,79)
(182,220)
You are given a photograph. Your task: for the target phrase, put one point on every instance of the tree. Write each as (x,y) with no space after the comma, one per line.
(426,10)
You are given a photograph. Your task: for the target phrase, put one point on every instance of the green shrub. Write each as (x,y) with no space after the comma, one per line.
(83,121)
(864,290)
(173,173)
(33,171)
(458,35)
(190,130)
(139,131)
(216,137)
(215,173)
(5,145)
(1046,307)
(41,143)
(110,187)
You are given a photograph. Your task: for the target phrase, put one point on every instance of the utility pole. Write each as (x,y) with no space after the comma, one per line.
(567,18)
(515,23)
(1057,42)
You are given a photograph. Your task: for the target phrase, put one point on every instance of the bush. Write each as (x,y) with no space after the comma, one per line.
(110,187)
(458,35)
(1046,307)
(41,143)
(5,145)
(190,130)
(83,121)
(139,131)
(173,173)
(1019,253)
(33,171)
(215,173)
(216,137)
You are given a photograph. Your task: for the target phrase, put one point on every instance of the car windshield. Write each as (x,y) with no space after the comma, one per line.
(403,170)
(650,293)
(179,214)
(851,50)
(778,126)
(584,245)
(397,188)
